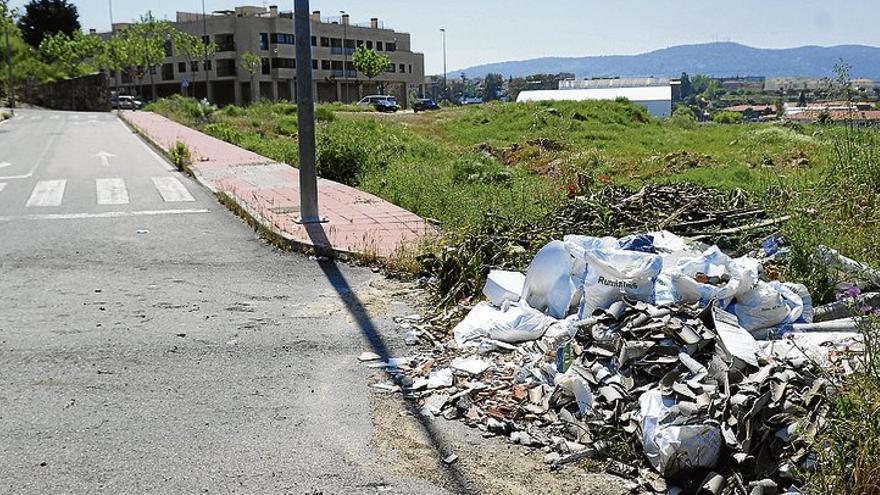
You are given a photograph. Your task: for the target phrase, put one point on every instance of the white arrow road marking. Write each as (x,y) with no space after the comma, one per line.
(47,193)
(5,164)
(171,190)
(111,192)
(105,157)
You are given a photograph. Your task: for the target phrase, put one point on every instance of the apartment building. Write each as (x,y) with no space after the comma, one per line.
(270,34)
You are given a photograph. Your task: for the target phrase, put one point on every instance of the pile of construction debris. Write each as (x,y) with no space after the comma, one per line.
(720,378)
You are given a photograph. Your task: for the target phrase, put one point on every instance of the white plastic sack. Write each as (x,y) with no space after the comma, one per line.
(770,304)
(504,286)
(548,286)
(577,246)
(615,273)
(512,323)
(742,273)
(669,448)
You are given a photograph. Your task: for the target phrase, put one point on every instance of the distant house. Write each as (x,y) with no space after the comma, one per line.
(753,109)
(657,99)
(866,118)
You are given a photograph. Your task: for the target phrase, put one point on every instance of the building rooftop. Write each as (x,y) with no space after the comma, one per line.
(646,93)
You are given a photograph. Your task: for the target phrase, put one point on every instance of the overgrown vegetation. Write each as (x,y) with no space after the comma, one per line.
(181,157)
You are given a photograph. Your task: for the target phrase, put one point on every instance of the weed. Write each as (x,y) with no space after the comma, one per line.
(181,157)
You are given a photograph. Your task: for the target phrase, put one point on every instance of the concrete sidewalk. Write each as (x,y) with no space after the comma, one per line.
(268,191)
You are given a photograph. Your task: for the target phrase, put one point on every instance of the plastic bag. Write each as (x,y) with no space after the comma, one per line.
(613,274)
(577,246)
(512,323)
(548,286)
(503,286)
(770,304)
(729,278)
(670,448)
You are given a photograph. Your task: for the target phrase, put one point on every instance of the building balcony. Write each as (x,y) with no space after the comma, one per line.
(338,50)
(343,74)
(225,47)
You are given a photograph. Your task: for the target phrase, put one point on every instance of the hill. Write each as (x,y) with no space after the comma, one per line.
(714,59)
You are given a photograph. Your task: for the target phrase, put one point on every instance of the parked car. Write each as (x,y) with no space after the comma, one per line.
(425,104)
(382,103)
(126,102)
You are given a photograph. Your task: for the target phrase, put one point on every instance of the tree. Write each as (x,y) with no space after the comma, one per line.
(46,17)
(147,41)
(252,63)
(71,52)
(492,86)
(686,88)
(802,99)
(192,47)
(370,64)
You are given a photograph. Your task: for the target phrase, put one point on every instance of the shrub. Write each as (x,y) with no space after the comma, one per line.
(223,131)
(727,117)
(683,117)
(324,114)
(181,156)
(348,148)
(187,110)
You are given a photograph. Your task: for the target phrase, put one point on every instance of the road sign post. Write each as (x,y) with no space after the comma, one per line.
(305,114)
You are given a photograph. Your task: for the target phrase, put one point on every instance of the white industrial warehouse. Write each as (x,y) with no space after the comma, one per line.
(657,99)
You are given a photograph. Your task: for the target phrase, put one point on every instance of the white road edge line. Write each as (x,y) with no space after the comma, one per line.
(108,214)
(40,158)
(165,164)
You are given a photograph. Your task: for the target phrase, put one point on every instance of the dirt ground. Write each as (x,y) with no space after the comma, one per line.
(484,465)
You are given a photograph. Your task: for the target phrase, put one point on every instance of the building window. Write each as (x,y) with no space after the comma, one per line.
(206,39)
(168,49)
(226,67)
(390,47)
(314,64)
(369,44)
(335,42)
(225,42)
(283,63)
(392,68)
(402,69)
(181,67)
(314,41)
(350,44)
(264,66)
(264,41)
(207,65)
(360,43)
(194,66)
(378,46)
(409,67)
(336,65)
(167,72)
(282,39)
(325,65)
(325,42)
(153,70)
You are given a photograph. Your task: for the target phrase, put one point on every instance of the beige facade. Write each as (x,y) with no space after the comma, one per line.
(269,33)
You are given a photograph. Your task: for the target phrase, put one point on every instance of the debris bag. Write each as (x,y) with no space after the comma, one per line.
(643,243)
(512,323)
(674,448)
(613,274)
(861,271)
(712,275)
(504,286)
(771,304)
(548,285)
(577,246)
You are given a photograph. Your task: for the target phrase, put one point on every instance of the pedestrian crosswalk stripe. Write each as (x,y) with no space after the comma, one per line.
(2,186)
(172,190)
(111,191)
(47,193)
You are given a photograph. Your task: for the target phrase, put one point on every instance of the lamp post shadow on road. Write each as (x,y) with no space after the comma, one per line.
(311,221)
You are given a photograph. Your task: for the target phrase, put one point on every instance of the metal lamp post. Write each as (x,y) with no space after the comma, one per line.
(205,44)
(9,63)
(305,115)
(344,52)
(445,86)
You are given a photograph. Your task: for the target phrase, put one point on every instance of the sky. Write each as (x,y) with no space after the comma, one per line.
(484,31)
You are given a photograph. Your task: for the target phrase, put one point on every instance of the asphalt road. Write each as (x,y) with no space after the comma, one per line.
(151,343)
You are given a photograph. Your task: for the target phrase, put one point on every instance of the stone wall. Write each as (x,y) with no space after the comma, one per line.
(87,94)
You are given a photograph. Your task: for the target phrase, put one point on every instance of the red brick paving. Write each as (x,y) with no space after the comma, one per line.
(358,222)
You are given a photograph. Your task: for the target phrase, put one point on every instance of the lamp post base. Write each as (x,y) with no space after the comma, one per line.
(307,220)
